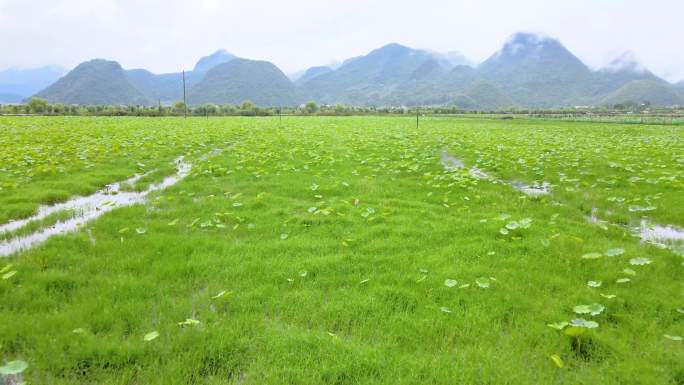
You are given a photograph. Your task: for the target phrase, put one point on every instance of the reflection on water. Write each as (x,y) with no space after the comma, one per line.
(668,236)
(85,209)
(450,163)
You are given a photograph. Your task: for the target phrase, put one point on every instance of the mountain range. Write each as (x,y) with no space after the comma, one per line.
(18,84)
(530,70)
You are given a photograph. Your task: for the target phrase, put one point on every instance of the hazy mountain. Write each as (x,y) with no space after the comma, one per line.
(452,59)
(94,82)
(312,73)
(656,92)
(530,70)
(432,85)
(681,83)
(157,87)
(169,87)
(626,62)
(10,98)
(619,72)
(208,62)
(483,95)
(424,86)
(367,79)
(294,76)
(18,84)
(535,70)
(241,79)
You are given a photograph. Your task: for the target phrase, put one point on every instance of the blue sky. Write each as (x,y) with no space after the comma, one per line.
(168,35)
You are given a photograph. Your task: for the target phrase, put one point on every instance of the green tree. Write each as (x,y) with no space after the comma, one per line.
(310,107)
(340,108)
(228,109)
(38,105)
(179,107)
(211,109)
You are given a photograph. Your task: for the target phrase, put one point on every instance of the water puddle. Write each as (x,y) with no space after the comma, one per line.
(479,174)
(85,209)
(214,152)
(595,220)
(665,236)
(450,163)
(670,237)
(108,193)
(534,190)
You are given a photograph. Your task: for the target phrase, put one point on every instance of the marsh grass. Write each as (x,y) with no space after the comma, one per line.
(355,291)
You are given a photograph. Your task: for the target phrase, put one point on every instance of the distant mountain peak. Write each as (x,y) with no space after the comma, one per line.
(391,49)
(533,68)
(98,64)
(100,61)
(529,37)
(626,61)
(527,44)
(96,81)
(530,70)
(242,79)
(206,63)
(393,46)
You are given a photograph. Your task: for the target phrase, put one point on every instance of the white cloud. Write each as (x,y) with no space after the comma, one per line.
(168,35)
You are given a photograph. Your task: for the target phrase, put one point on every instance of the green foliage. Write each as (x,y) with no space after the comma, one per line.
(179,107)
(310,107)
(38,105)
(316,250)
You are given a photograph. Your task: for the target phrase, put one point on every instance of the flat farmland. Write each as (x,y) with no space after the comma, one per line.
(341,250)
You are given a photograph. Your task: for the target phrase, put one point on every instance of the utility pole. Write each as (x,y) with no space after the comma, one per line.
(185,103)
(417,116)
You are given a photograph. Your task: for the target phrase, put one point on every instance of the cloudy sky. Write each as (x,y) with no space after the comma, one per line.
(169,35)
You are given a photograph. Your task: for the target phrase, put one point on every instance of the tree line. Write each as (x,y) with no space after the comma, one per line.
(38,106)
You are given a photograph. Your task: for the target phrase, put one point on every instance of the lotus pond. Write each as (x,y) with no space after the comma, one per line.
(340,250)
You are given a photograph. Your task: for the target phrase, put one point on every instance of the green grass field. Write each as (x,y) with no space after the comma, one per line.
(342,251)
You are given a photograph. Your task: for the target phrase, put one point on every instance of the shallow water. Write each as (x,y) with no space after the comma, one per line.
(85,209)
(449,162)
(595,220)
(534,190)
(101,196)
(661,235)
